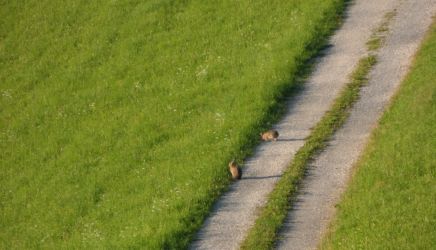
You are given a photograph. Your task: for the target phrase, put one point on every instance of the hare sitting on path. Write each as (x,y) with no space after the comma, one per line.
(235,170)
(270,135)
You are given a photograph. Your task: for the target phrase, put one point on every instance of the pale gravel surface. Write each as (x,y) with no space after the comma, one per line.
(235,212)
(328,175)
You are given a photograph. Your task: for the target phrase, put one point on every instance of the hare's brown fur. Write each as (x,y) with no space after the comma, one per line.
(270,135)
(235,170)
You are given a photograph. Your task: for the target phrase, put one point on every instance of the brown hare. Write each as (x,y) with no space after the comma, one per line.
(235,170)
(270,135)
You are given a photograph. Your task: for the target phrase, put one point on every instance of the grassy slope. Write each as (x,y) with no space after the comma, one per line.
(117,118)
(391,200)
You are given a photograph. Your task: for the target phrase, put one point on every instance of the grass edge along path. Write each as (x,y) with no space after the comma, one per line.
(371,189)
(263,234)
(332,20)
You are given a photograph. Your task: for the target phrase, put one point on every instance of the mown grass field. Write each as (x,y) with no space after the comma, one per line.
(118,118)
(391,201)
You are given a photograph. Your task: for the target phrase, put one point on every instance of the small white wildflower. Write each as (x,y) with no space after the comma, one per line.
(202,71)
(7,93)
(137,85)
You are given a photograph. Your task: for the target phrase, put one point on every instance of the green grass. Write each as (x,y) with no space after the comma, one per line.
(118,118)
(378,37)
(264,232)
(391,200)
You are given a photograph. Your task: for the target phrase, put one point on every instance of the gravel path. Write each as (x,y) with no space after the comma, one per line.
(328,175)
(235,212)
